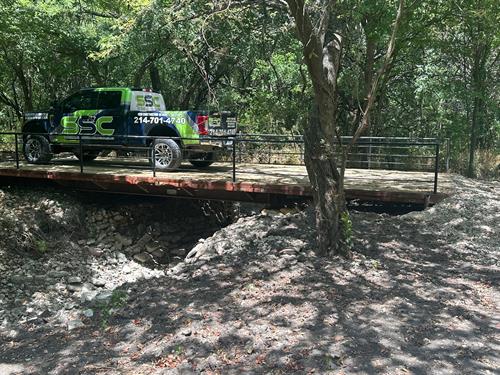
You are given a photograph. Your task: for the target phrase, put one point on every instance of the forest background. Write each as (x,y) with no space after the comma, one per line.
(244,56)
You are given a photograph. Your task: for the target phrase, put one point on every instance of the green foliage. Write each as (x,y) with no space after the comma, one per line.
(246,58)
(117,300)
(41,246)
(346,225)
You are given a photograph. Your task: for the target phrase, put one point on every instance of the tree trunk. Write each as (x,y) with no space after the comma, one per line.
(369,71)
(473,138)
(25,87)
(12,103)
(154,74)
(94,71)
(322,50)
(478,87)
(332,218)
(139,73)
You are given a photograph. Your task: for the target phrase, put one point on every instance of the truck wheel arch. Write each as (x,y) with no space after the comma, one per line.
(39,127)
(164,131)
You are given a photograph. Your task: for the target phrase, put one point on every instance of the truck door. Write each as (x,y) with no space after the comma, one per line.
(95,115)
(66,118)
(110,122)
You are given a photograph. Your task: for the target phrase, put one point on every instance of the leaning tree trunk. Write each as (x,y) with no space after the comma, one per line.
(322,49)
(332,218)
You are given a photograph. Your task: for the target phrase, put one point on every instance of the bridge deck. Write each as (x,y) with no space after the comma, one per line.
(254,181)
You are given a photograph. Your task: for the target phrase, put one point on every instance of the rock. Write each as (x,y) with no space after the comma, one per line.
(120,257)
(125,241)
(117,247)
(289,211)
(75,324)
(317,353)
(89,313)
(142,257)
(69,305)
(151,247)
(57,274)
(201,251)
(95,252)
(249,348)
(104,296)
(180,252)
(143,240)
(186,332)
(271,213)
(126,269)
(179,268)
(98,282)
(74,287)
(134,250)
(221,246)
(158,253)
(39,278)
(87,295)
(288,252)
(17,279)
(74,280)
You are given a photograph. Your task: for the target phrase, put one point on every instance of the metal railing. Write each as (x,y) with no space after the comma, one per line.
(398,154)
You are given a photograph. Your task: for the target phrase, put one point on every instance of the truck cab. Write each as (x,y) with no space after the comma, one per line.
(93,120)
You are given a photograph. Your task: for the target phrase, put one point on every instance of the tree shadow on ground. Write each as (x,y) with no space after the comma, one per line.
(403,304)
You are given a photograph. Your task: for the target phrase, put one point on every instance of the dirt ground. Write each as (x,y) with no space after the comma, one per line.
(419,296)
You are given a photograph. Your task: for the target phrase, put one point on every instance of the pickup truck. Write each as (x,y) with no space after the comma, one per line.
(118,118)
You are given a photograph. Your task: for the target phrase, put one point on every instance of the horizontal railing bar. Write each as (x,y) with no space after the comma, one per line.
(270,149)
(246,138)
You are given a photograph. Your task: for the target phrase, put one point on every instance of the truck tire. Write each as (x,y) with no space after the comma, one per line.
(88,155)
(166,154)
(36,149)
(203,160)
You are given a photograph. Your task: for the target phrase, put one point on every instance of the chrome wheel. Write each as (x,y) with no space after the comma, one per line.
(163,155)
(33,149)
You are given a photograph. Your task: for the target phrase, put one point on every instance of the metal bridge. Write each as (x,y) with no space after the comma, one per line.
(257,168)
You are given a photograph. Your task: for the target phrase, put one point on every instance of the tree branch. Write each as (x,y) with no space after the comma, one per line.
(364,123)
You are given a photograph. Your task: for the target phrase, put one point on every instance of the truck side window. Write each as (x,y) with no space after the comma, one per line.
(80,101)
(109,100)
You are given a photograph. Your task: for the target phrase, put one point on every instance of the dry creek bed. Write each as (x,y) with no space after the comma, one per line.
(419,295)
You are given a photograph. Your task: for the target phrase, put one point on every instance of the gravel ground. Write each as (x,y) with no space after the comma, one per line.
(419,295)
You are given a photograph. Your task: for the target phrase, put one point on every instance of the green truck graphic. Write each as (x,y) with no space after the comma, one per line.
(118,118)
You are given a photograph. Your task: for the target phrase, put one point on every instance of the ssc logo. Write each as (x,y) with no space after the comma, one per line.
(148,100)
(86,125)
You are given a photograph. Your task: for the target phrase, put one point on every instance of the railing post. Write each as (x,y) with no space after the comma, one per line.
(81,152)
(17,151)
(436,168)
(240,154)
(448,155)
(370,153)
(153,156)
(234,159)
